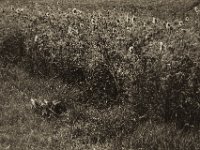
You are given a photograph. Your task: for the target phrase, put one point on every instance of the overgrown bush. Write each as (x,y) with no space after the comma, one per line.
(153,66)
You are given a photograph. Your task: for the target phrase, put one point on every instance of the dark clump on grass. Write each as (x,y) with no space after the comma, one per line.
(102,87)
(13,47)
(73,75)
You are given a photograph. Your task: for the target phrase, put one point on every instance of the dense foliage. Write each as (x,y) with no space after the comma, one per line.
(119,58)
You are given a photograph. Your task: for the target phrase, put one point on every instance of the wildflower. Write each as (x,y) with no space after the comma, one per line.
(108,13)
(74,11)
(36,38)
(72,31)
(183,30)
(161,46)
(131,49)
(33,102)
(154,21)
(196,9)
(19,10)
(69,30)
(180,23)
(77,12)
(46,102)
(114,30)
(128,29)
(47,14)
(93,21)
(168,26)
(126,18)
(187,19)
(81,25)
(133,19)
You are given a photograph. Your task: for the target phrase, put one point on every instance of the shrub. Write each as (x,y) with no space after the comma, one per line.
(154,69)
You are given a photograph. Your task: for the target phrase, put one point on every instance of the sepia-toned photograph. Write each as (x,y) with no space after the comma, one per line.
(99,74)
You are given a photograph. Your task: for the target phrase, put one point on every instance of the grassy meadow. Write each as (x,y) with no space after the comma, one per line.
(127,72)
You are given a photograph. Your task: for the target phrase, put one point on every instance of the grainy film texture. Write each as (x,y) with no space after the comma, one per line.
(99,74)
